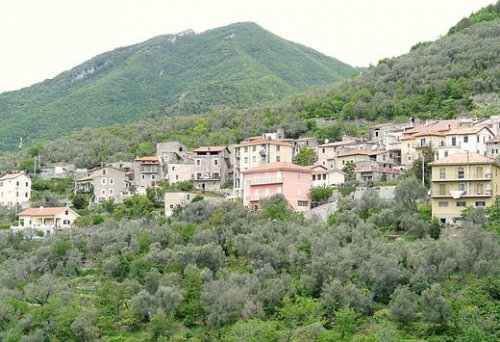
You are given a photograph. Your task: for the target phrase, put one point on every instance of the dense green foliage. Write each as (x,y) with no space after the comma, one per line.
(434,80)
(237,65)
(488,13)
(225,273)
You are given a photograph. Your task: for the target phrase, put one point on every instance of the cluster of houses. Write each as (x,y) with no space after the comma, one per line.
(464,170)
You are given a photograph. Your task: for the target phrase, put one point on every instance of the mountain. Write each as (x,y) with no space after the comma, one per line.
(448,77)
(237,66)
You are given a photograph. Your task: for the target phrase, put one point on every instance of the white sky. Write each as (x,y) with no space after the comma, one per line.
(39,39)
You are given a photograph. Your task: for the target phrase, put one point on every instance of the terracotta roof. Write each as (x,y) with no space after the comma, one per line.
(463,159)
(278,166)
(467,130)
(355,153)
(11,176)
(425,133)
(50,211)
(263,141)
(441,125)
(210,148)
(325,169)
(493,141)
(339,143)
(148,159)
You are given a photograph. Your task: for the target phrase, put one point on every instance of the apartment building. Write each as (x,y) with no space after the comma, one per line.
(146,173)
(176,162)
(462,180)
(211,167)
(105,183)
(292,181)
(464,139)
(255,152)
(15,188)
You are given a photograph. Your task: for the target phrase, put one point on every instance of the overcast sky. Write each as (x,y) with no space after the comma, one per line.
(39,39)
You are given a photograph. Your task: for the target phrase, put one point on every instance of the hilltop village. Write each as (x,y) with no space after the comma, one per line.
(460,154)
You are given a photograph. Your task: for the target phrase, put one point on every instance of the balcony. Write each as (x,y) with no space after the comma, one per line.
(456,194)
(465,178)
(269,180)
(207,177)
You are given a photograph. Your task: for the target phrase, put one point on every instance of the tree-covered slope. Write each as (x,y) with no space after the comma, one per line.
(435,79)
(237,65)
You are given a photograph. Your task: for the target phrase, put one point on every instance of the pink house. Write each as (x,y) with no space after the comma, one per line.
(293,181)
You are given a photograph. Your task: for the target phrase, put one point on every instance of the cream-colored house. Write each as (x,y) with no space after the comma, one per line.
(255,152)
(44,221)
(15,188)
(462,180)
(464,139)
(176,199)
(323,176)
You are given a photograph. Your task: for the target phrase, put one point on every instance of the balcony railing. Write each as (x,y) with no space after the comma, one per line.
(269,180)
(460,194)
(457,177)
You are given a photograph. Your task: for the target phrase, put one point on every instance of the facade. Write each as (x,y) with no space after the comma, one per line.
(462,180)
(106,183)
(493,148)
(146,173)
(44,221)
(175,199)
(465,139)
(329,150)
(255,152)
(292,181)
(176,162)
(15,188)
(374,173)
(322,176)
(211,167)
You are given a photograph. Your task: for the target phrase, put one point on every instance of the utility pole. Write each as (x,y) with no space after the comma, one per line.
(423,170)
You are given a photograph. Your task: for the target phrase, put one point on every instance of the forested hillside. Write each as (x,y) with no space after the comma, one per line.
(236,66)
(378,271)
(434,80)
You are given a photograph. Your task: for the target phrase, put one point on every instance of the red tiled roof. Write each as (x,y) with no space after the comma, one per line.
(464,159)
(355,153)
(467,130)
(210,149)
(263,141)
(11,176)
(279,166)
(51,211)
(148,159)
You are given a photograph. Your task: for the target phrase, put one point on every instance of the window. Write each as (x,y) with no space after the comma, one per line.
(278,158)
(454,141)
(302,203)
(17,183)
(246,160)
(461,187)
(278,148)
(103,192)
(103,181)
(461,174)
(153,176)
(446,153)
(111,181)
(314,177)
(198,175)
(443,204)
(171,206)
(324,176)
(216,162)
(480,189)
(66,212)
(27,184)
(479,172)
(442,189)
(254,159)
(68,222)
(466,139)
(143,177)
(322,150)
(376,134)
(103,171)
(26,195)
(198,162)
(442,173)
(110,191)
(422,142)
(216,175)
(254,148)
(188,196)
(480,204)
(245,149)
(461,204)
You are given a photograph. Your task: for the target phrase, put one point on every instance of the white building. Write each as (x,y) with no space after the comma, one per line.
(41,222)
(321,175)
(176,199)
(15,188)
